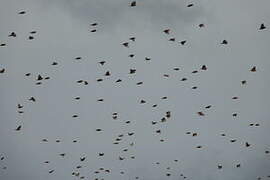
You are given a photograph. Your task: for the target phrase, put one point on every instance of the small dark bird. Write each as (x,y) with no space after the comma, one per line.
(94,24)
(100,100)
(79,81)
(131,55)
(234,114)
(139,83)
(94,30)
(224,42)
(183,79)
(22,12)
(39,78)
(132,71)
(172,39)
(31,37)
(200,113)
(33,32)
(190,5)
(99,80)
(204,67)
(132,39)
(118,80)
(142,101)
(167,31)
(32,99)
(158,131)
(247,144)
(102,62)
(262,27)
(154,122)
(3,44)
(121,158)
(238,165)
(176,69)
(19,106)
(62,154)
(193,72)
(201,25)
(98,130)
(130,134)
(77,98)
(27,74)
(78,58)
(2,158)
(183,42)
(85,82)
(233,140)
(155,105)
(54,63)
(253,69)
(168,174)
(219,167)
(2,71)
(194,87)
(75,116)
(107,73)
(243,82)
(199,147)
(133,4)
(51,171)
(207,107)
(18,128)
(125,44)
(13,34)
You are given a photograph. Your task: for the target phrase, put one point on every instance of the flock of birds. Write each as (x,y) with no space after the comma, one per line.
(166,118)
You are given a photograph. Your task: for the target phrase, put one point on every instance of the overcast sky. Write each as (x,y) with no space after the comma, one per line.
(64,33)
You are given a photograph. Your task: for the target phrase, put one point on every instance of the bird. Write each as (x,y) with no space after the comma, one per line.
(101,154)
(172,39)
(125,44)
(200,113)
(31,37)
(2,70)
(94,24)
(18,128)
(51,171)
(94,30)
(224,42)
(247,144)
(183,42)
(132,39)
(27,74)
(33,32)
(39,78)
(54,63)
(133,4)
(253,69)
(208,107)
(102,62)
(22,12)
(262,27)
(12,34)
(107,73)
(167,31)
(219,166)
(201,25)
(243,82)
(238,165)
(190,5)
(32,99)
(3,44)
(132,71)
(204,67)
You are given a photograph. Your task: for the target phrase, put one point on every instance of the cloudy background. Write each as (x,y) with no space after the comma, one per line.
(63,33)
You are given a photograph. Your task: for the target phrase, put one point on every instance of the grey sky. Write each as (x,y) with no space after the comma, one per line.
(63,33)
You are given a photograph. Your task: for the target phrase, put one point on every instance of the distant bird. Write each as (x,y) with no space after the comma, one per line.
(204,67)
(193,72)
(125,44)
(183,79)
(118,80)
(2,70)
(201,25)
(132,71)
(22,12)
(176,69)
(253,69)
(133,4)
(131,55)
(190,5)
(247,144)
(200,113)
(102,62)
(31,37)
(94,24)
(107,73)
(98,130)
(27,74)
(262,27)
(219,166)
(39,78)
(13,34)
(243,82)
(207,107)
(33,32)
(54,63)
(167,31)
(78,58)
(183,42)
(132,39)
(62,154)
(94,30)
(238,165)
(172,39)
(224,42)
(3,44)
(18,128)
(51,171)
(32,99)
